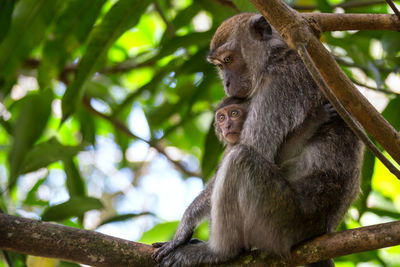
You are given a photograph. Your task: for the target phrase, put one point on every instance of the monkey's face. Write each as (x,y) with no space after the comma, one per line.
(229,122)
(233,71)
(240,49)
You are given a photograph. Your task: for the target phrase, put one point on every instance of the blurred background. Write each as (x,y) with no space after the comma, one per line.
(106,112)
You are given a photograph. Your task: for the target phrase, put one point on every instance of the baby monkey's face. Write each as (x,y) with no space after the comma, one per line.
(230,120)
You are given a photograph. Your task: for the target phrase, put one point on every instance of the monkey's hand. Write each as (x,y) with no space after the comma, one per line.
(331,113)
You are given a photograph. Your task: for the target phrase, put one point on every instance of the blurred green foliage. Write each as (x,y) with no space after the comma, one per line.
(95,60)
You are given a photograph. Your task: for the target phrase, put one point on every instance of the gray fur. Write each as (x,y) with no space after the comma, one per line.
(261,198)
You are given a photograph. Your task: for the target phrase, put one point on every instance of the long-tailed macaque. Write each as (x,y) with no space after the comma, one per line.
(229,118)
(260,198)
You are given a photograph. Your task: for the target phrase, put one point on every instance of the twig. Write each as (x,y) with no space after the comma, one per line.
(155,144)
(228,3)
(379,90)
(394,8)
(363,68)
(170,28)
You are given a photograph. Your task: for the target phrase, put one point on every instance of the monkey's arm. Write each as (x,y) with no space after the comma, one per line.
(296,140)
(197,210)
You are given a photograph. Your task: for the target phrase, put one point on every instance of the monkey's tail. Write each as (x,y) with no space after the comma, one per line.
(325,263)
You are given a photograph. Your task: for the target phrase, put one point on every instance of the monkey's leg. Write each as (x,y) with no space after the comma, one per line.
(267,202)
(226,238)
(197,210)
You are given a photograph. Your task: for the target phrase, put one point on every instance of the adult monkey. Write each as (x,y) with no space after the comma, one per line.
(260,198)
(229,117)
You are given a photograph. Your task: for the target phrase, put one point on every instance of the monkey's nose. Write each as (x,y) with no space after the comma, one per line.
(227,84)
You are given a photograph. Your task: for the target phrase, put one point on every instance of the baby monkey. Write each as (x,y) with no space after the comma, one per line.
(230,117)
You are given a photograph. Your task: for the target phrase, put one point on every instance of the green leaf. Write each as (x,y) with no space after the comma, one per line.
(75,184)
(124,217)
(245,6)
(29,22)
(324,6)
(46,153)
(391,112)
(28,128)
(6,8)
(31,197)
(122,16)
(212,152)
(366,175)
(68,264)
(74,207)
(160,233)
(183,18)
(88,126)
(220,12)
(70,31)
(200,39)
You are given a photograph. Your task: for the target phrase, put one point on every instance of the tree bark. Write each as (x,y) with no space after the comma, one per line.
(72,244)
(298,31)
(344,22)
(77,245)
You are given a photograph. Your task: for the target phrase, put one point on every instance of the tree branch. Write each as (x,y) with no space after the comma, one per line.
(345,5)
(71,244)
(88,247)
(298,31)
(344,22)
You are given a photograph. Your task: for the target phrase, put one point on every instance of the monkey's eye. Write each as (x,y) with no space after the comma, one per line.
(228,59)
(221,117)
(235,113)
(220,66)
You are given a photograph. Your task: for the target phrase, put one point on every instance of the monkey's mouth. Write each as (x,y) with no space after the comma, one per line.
(242,93)
(232,133)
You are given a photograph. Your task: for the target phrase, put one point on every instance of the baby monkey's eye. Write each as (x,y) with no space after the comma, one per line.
(221,117)
(220,66)
(228,59)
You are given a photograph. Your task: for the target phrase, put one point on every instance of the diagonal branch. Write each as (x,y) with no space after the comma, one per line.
(394,8)
(297,31)
(95,249)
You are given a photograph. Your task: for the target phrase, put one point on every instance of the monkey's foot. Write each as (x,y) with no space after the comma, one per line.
(191,254)
(165,248)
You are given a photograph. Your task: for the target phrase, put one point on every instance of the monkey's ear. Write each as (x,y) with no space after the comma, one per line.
(260,28)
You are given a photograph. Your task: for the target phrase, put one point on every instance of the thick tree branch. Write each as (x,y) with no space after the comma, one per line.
(297,31)
(345,5)
(71,244)
(77,245)
(344,22)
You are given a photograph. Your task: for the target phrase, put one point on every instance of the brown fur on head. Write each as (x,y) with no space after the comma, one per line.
(226,29)
(226,101)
